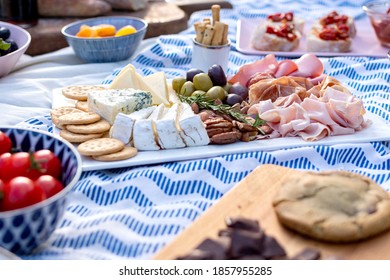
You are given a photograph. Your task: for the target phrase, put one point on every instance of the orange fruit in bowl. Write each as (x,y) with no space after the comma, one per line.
(86,32)
(105,30)
(125,30)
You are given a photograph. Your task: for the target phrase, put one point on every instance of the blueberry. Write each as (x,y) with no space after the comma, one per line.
(4,33)
(14,46)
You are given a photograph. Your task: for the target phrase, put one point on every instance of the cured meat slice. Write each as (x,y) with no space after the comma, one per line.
(267,65)
(309,66)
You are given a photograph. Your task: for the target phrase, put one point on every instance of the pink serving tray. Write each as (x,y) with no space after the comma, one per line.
(364,44)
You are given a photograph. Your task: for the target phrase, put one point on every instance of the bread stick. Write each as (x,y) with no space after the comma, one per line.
(225,34)
(218,33)
(208,35)
(215,10)
(199,30)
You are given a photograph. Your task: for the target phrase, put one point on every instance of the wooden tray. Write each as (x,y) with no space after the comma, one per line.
(252,198)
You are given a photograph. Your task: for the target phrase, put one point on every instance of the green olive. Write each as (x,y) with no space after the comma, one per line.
(216,92)
(177,83)
(202,81)
(198,92)
(187,89)
(227,87)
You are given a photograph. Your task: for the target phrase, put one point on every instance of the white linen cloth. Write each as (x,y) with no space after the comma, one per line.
(131,213)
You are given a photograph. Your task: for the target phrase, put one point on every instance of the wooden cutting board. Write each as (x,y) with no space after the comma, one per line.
(252,198)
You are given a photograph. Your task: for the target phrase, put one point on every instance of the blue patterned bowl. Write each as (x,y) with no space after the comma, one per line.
(108,49)
(22,230)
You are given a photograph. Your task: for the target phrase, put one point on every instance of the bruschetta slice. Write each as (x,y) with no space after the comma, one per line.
(283,37)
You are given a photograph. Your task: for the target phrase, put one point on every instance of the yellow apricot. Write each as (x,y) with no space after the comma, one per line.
(126,30)
(86,32)
(105,30)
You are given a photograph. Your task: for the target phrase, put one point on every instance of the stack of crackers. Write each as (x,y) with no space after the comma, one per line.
(213,32)
(88,129)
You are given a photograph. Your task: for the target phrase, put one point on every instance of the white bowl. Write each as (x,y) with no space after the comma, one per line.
(23,39)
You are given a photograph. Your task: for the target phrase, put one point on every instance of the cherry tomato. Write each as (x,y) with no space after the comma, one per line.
(4,158)
(5,143)
(49,184)
(1,194)
(31,165)
(49,163)
(21,192)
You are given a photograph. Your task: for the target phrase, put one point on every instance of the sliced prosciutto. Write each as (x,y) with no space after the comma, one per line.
(309,66)
(267,65)
(333,113)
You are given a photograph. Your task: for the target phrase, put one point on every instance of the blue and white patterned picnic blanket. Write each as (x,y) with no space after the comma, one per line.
(131,213)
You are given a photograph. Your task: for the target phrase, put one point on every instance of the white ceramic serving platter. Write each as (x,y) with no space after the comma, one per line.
(379,130)
(364,44)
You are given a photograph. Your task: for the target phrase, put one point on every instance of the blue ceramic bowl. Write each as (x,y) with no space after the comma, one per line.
(22,230)
(108,49)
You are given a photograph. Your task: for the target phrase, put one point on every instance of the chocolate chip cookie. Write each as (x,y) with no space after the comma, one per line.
(335,206)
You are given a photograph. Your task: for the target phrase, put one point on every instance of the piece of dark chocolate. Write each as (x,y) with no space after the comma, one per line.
(242,223)
(308,254)
(272,248)
(245,242)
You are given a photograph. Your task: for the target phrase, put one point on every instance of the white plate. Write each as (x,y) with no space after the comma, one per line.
(378,131)
(364,44)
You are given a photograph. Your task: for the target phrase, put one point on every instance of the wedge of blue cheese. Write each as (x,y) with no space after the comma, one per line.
(109,103)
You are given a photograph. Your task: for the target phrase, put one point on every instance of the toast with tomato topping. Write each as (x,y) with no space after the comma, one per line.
(332,33)
(282,37)
(289,17)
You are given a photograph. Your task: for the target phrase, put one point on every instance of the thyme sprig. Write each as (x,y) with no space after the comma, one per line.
(205,103)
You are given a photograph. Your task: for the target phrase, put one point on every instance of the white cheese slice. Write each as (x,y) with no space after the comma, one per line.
(158,83)
(192,129)
(157,98)
(122,129)
(144,131)
(168,136)
(109,103)
(125,79)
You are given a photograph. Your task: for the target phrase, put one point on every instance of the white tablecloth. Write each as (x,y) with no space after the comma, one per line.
(133,212)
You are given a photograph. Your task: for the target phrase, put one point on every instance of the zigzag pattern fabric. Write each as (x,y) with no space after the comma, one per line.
(131,213)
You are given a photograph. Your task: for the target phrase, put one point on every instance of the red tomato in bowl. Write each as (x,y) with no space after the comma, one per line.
(21,192)
(49,163)
(31,165)
(4,158)
(49,184)
(5,143)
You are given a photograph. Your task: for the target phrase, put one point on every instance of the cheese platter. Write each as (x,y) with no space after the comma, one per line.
(252,199)
(162,133)
(379,130)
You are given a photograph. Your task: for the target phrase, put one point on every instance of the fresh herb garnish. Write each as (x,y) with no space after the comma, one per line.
(205,103)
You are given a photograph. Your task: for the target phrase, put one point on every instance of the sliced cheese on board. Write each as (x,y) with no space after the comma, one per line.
(122,129)
(168,136)
(144,131)
(156,84)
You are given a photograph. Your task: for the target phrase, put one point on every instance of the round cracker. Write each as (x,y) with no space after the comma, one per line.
(79,118)
(80,92)
(78,138)
(96,127)
(125,153)
(101,146)
(60,111)
(335,206)
(82,105)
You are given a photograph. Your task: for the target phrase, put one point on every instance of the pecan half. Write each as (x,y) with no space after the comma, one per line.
(225,138)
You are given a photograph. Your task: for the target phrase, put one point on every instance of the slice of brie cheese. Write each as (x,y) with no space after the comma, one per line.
(144,131)
(168,136)
(122,129)
(192,129)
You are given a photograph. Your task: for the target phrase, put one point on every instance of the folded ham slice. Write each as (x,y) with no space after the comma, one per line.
(334,112)
(274,88)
